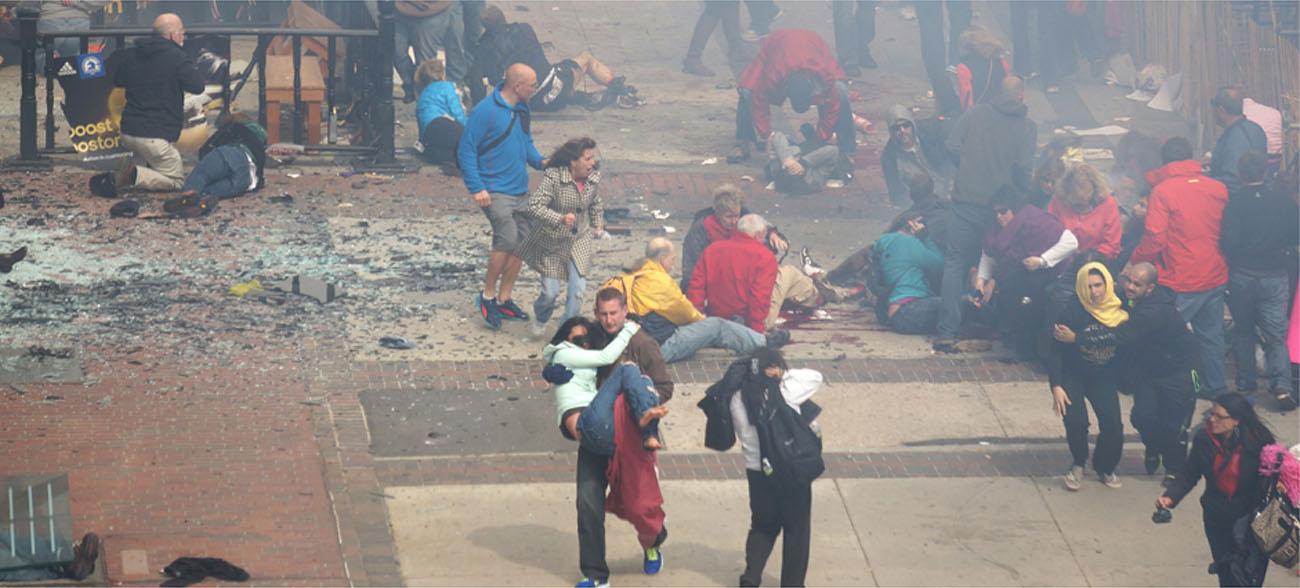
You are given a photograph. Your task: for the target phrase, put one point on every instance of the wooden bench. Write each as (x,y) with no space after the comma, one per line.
(279,91)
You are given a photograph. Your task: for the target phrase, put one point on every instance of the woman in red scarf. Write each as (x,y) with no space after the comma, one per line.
(1226,453)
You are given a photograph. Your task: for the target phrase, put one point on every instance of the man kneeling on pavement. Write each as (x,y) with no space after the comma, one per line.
(670,318)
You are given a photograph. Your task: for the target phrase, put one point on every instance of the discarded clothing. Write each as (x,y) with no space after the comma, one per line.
(192,570)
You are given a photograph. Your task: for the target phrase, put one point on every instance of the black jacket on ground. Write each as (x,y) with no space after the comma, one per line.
(240,134)
(1155,340)
(1200,464)
(1260,231)
(156,74)
(500,47)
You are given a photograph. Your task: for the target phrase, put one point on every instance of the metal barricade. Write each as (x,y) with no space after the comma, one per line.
(376,73)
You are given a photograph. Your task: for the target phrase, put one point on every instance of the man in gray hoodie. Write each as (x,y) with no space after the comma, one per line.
(994,144)
(914,148)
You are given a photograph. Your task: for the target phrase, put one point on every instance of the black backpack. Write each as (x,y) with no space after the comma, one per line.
(790,446)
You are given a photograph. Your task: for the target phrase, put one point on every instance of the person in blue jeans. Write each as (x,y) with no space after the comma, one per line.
(230,164)
(586,413)
(1258,238)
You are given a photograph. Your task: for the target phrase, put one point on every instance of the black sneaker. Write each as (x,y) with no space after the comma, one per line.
(511,311)
(945,346)
(7,261)
(84,554)
(1151,461)
(777,338)
(1285,401)
(489,311)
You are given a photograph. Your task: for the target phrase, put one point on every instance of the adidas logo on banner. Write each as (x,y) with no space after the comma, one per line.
(67,69)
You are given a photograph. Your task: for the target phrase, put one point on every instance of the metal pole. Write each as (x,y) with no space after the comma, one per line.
(49,92)
(27,104)
(297,91)
(383,116)
(329,92)
(261,81)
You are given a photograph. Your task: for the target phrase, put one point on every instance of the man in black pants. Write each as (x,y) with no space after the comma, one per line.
(1159,357)
(855,29)
(934,52)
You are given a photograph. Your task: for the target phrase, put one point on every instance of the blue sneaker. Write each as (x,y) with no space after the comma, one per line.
(489,311)
(511,311)
(589,583)
(654,560)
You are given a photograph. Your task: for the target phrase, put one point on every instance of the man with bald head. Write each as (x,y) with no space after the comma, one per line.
(156,74)
(995,144)
(1159,356)
(494,154)
(670,318)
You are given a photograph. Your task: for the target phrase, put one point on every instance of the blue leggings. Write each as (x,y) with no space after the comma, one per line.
(596,423)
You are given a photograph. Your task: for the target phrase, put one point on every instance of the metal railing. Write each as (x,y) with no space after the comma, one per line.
(372,59)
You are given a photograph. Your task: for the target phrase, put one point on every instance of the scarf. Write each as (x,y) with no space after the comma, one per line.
(1110,311)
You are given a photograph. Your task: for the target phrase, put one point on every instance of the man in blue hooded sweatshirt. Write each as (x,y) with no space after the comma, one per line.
(494,152)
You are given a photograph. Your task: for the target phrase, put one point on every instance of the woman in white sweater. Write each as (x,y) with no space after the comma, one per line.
(587,413)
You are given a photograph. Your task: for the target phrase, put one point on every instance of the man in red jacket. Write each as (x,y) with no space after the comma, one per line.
(734,277)
(794,64)
(1184,217)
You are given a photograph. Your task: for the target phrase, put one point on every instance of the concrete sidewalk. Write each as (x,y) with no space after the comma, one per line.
(904,532)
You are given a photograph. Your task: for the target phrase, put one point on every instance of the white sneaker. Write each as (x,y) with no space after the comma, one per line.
(537,329)
(1074,479)
(1111,481)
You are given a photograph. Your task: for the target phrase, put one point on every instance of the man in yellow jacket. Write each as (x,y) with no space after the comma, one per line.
(670,318)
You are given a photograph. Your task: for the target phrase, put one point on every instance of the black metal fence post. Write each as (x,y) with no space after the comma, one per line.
(297,91)
(27,104)
(383,116)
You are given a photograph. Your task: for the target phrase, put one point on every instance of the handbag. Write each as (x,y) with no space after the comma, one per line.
(1276,525)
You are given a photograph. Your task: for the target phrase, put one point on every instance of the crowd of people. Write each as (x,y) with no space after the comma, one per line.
(999,240)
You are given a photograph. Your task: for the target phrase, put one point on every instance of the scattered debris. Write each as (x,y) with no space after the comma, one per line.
(285,198)
(243,288)
(324,292)
(710,161)
(293,173)
(390,342)
(659,214)
(7,261)
(746,178)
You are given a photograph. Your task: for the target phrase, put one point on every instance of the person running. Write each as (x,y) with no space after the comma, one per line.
(494,154)
(1226,453)
(587,414)
(568,216)
(1080,365)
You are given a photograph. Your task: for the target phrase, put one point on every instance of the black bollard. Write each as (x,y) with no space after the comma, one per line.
(27,18)
(383,117)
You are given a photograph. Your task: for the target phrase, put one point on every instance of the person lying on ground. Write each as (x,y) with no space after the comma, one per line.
(670,318)
(925,204)
(21,567)
(439,113)
(1084,204)
(585,413)
(1016,267)
(910,267)
(914,148)
(795,65)
(231,164)
(505,43)
(802,168)
(717,223)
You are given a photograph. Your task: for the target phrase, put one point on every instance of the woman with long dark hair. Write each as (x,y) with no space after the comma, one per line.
(1226,453)
(569,217)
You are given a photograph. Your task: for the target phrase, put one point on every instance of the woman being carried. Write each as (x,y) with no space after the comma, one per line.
(587,414)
